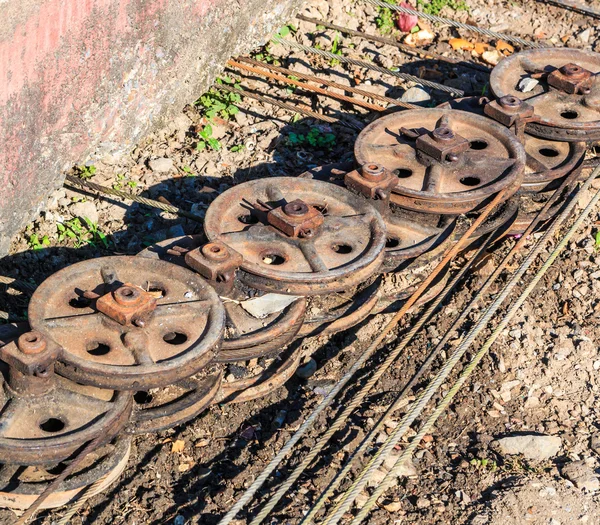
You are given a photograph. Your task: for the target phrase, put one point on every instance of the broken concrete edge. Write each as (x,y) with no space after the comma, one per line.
(85,79)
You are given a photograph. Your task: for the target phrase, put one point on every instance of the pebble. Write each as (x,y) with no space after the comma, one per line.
(85,209)
(532,446)
(423,503)
(595,443)
(307,370)
(415,94)
(581,475)
(162,165)
(527,84)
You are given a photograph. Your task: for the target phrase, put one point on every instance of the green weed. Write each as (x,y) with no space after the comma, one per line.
(81,235)
(597,243)
(315,138)
(236,148)
(386,21)
(335,49)
(207,140)
(85,172)
(35,243)
(121,183)
(433,7)
(218,102)
(488,464)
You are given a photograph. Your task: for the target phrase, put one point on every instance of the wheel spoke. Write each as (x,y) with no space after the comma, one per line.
(312,257)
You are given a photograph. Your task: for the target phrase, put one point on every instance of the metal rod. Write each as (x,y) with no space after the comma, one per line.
(288,107)
(454,23)
(402,47)
(308,87)
(329,83)
(369,65)
(573,6)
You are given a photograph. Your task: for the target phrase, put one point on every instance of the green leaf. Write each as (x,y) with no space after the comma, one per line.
(207,131)
(201,146)
(233,110)
(214,144)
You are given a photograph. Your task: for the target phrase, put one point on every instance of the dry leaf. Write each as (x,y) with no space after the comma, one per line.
(504,47)
(481,48)
(184,467)
(460,43)
(178,446)
(564,39)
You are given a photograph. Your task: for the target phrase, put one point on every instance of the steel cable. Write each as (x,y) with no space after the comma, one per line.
(401,398)
(368,352)
(369,65)
(391,475)
(88,493)
(329,83)
(402,47)
(420,403)
(573,6)
(86,184)
(17,283)
(288,107)
(454,23)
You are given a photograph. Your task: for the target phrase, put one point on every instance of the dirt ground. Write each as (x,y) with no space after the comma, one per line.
(540,378)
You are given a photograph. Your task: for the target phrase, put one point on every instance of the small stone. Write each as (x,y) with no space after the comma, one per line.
(581,475)
(528,84)
(361,500)
(595,443)
(307,370)
(423,503)
(377,478)
(175,231)
(394,506)
(407,470)
(531,446)
(585,35)
(162,165)
(415,95)
(85,209)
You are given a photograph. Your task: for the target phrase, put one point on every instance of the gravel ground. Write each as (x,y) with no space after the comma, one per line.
(539,380)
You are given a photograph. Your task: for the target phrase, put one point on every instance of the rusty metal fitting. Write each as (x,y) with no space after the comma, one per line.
(215,251)
(296,219)
(373,181)
(216,262)
(572,79)
(296,208)
(127,305)
(510,111)
(31,343)
(373,172)
(443,134)
(442,144)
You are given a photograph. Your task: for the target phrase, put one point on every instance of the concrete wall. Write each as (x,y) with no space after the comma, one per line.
(79,77)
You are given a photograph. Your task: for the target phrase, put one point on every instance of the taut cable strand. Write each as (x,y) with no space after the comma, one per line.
(454,23)
(369,65)
(419,405)
(401,398)
(485,348)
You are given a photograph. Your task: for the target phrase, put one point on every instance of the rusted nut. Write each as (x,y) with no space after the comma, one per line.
(443,134)
(127,296)
(295,217)
(127,305)
(31,343)
(373,172)
(215,251)
(509,110)
(296,208)
(572,79)
(214,261)
(509,101)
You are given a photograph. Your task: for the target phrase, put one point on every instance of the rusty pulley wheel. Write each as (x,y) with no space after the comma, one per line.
(298,236)
(409,234)
(20,486)
(273,374)
(547,161)
(251,330)
(162,408)
(562,87)
(335,313)
(446,161)
(45,418)
(129,323)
